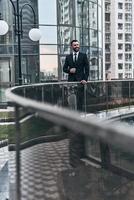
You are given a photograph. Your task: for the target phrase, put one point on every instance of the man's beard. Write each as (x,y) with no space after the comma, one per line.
(76,49)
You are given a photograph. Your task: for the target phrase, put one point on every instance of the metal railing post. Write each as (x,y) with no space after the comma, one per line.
(18,136)
(105,155)
(129,95)
(85,98)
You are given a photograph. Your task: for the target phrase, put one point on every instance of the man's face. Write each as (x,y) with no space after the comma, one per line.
(76,46)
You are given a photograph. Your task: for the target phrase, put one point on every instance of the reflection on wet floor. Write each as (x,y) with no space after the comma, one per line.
(47,175)
(87,182)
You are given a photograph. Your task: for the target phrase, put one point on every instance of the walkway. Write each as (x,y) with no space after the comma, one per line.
(47,175)
(4,180)
(41,165)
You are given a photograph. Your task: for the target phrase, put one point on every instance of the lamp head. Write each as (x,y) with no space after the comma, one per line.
(3,27)
(35,34)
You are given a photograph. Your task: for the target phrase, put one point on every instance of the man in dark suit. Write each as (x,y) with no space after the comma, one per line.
(77,67)
(76,64)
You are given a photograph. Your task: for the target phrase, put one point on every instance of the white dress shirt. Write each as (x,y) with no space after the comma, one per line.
(75,53)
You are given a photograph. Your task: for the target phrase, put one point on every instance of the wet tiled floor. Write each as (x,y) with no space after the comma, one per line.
(4,179)
(47,175)
(41,165)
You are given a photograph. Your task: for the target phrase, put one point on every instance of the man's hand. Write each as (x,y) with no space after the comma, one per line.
(83,82)
(72,70)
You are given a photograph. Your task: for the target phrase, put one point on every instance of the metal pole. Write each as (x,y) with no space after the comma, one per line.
(18,33)
(82,13)
(19,43)
(18,133)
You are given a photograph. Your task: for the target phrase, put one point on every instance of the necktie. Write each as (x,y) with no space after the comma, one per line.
(75,57)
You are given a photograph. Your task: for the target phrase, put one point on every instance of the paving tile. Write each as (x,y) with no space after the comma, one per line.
(40,166)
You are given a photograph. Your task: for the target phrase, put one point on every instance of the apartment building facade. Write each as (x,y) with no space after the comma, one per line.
(119,39)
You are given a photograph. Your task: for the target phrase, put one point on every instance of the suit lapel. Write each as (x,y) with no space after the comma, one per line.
(79,57)
(71,57)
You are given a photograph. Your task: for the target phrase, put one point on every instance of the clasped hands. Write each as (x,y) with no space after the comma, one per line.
(73,70)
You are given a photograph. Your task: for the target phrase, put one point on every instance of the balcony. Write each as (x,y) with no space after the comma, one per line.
(59,152)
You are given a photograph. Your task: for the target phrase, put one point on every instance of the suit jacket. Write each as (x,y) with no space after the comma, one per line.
(81,65)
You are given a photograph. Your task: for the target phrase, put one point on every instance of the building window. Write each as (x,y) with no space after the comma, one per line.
(107,27)
(128,66)
(128,37)
(128,6)
(128,75)
(128,47)
(107,17)
(120,66)
(107,37)
(128,57)
(107,7)
(120,46)
(107,57)
(107,47)
(120,56)
(120,36)
(120,75)
(107,66)
(128,17)
(128,27)
(120,5)
(120,15)
(120,26)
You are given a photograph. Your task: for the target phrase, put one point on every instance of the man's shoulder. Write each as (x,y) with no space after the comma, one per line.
(82,53)
(69,55)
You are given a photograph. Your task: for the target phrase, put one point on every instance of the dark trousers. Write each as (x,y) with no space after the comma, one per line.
(80,97)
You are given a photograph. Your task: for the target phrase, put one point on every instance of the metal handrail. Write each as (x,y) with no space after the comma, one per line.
(115,134)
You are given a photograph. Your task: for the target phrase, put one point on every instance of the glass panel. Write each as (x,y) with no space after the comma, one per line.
(82,14)
(100,2)
(78,34)
(92,147)
(122,158)
(64,49)
(65,12)
(49,34)
(93,15)
(29,68)
(6,49)
(49,65)
(47,12)
(100,39)
(5,70)
(93,38)
(48,49)
(96,95)
(84,37)
(99,18)
(3,98)
(100,68)
(65,35)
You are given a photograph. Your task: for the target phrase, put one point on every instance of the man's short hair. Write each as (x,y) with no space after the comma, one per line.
(73,41)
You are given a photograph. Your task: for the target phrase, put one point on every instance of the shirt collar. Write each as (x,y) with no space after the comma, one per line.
(77,53)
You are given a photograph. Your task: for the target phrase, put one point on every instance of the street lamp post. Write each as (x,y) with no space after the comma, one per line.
(34,33)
